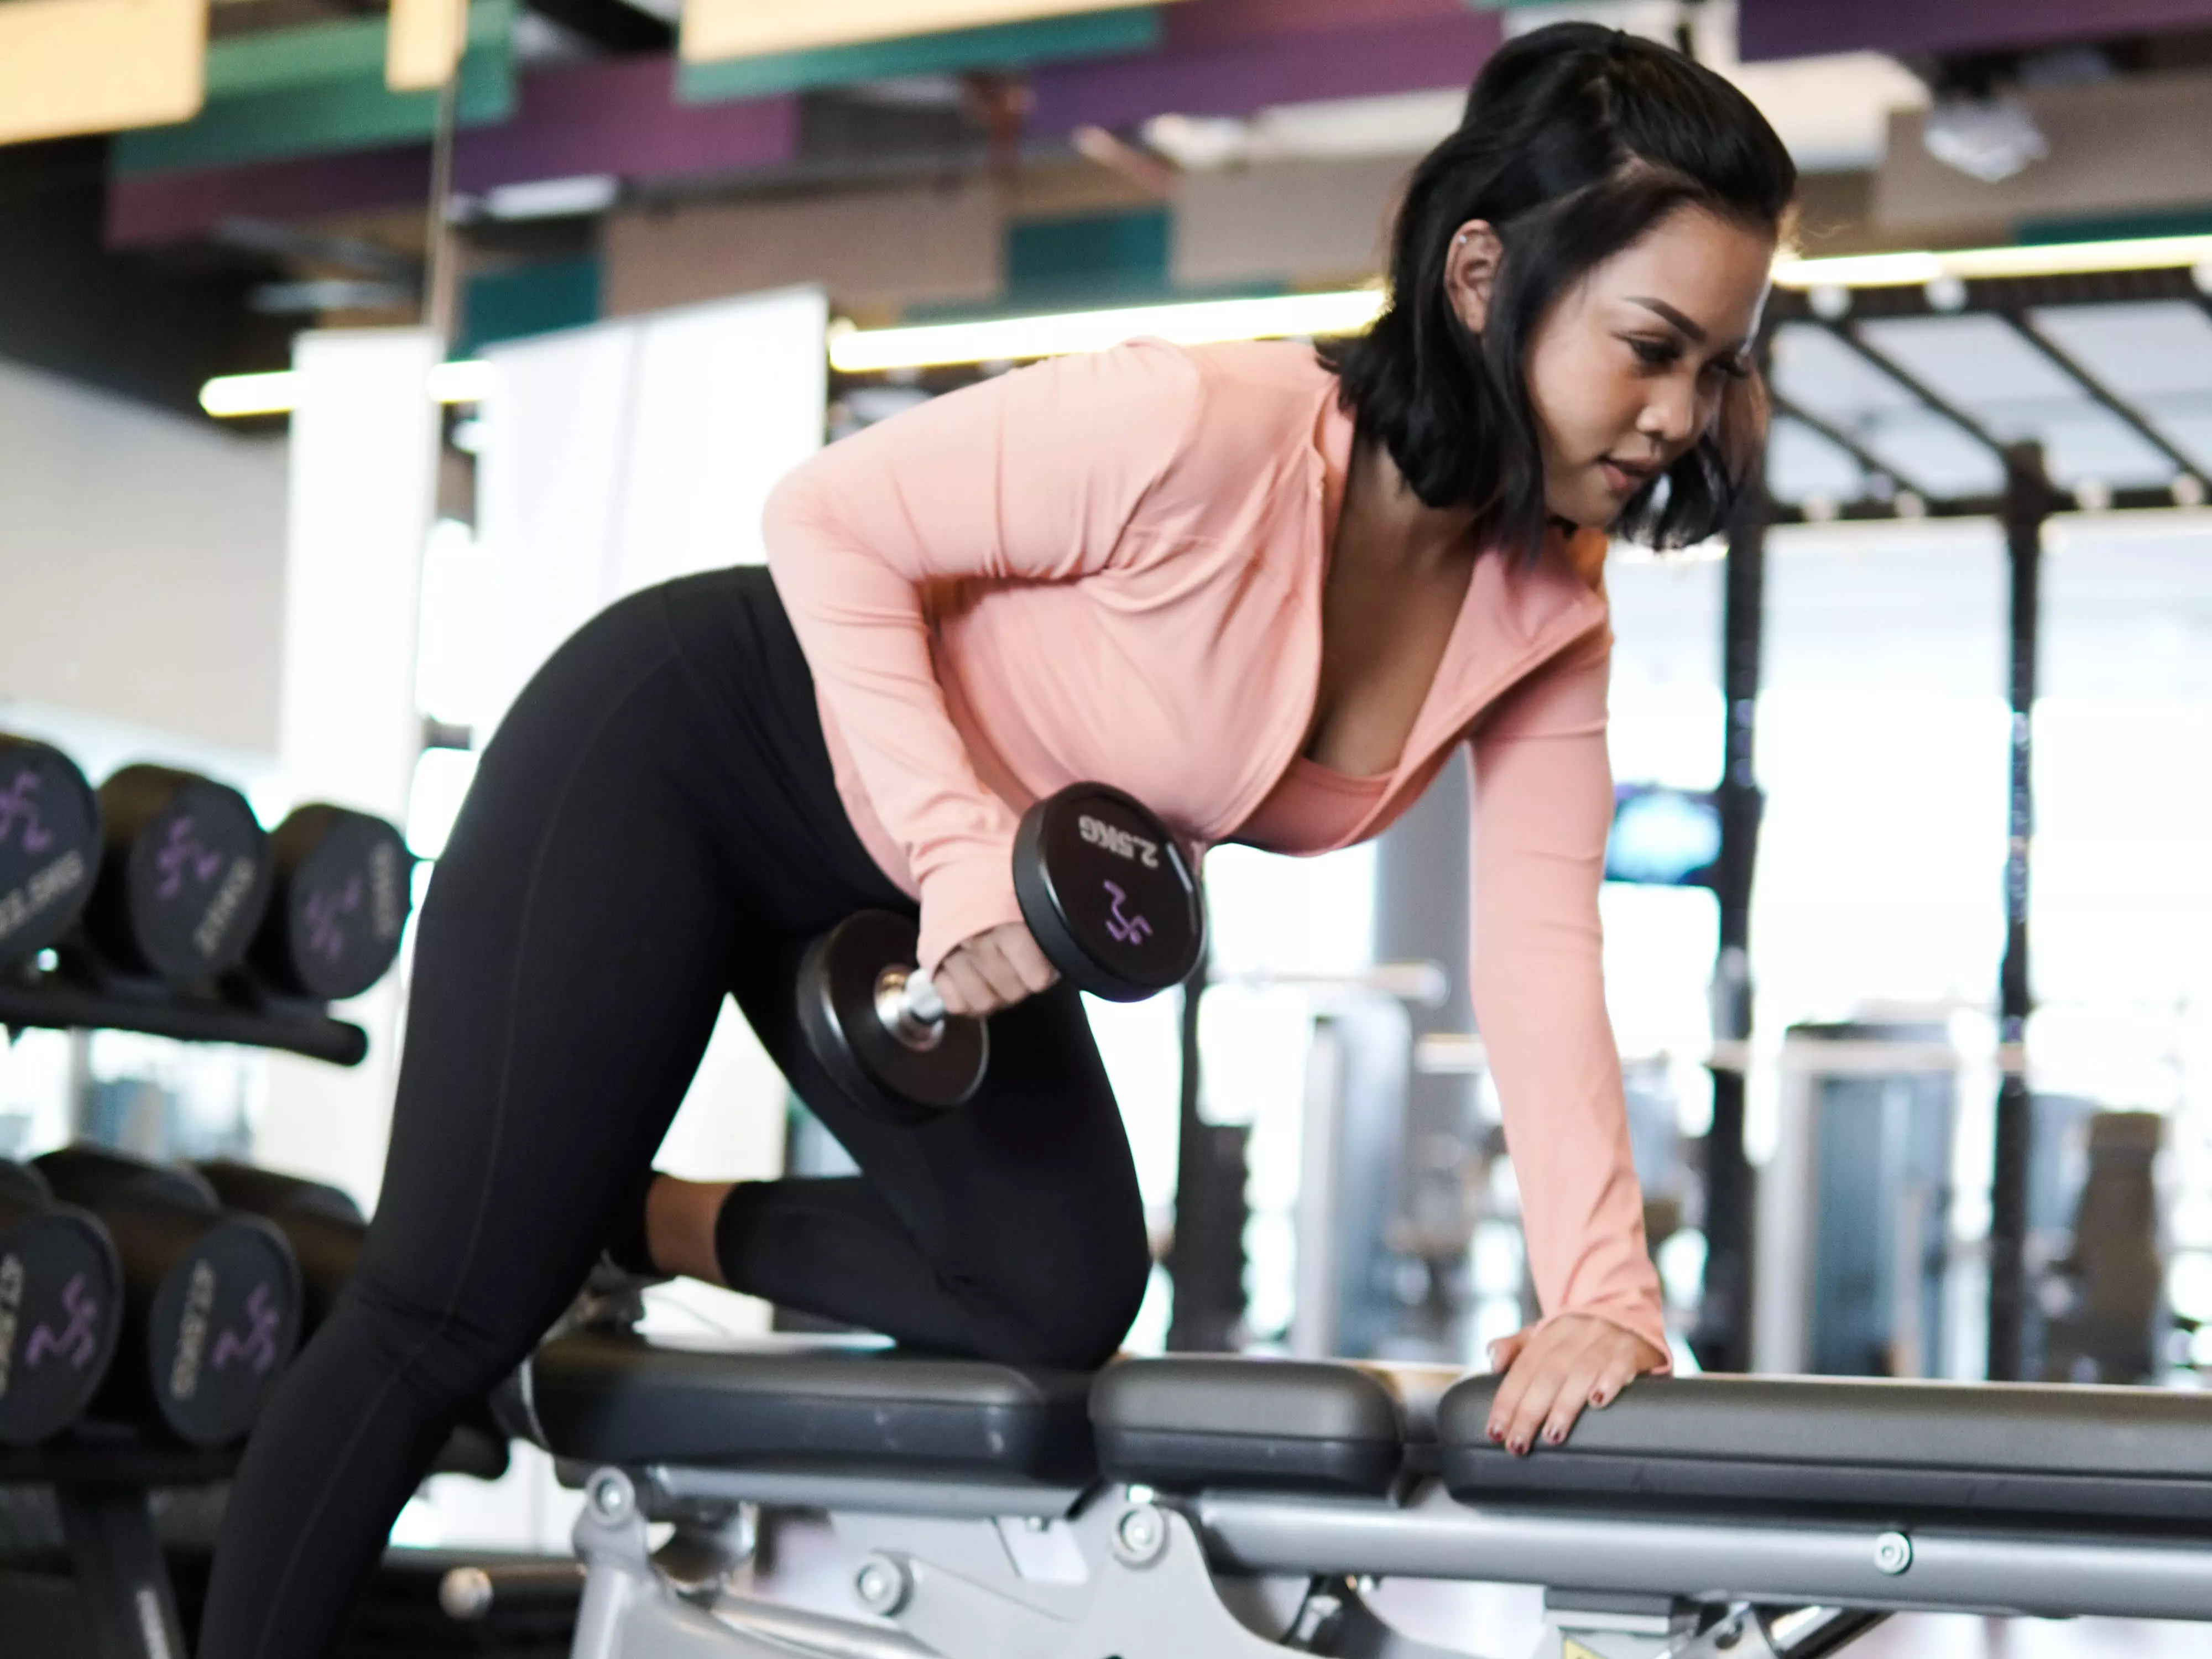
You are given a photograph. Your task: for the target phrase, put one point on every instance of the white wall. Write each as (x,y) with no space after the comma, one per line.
(142,558)
(363,479)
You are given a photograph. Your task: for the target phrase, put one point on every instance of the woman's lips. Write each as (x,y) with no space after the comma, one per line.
(1624,479)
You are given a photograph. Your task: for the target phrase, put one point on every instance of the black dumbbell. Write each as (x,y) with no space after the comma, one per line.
(341,896)
(185,875)
(61,1307)
(324,1227)
(49,845)
(212,1298)
(1102,886)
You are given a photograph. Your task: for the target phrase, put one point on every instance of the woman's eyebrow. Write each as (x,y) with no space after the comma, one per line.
(1683,324)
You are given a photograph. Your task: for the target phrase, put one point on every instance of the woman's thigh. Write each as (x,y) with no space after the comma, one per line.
(573,951)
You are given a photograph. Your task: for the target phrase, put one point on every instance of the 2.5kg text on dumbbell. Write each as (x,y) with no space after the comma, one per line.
(1121,843)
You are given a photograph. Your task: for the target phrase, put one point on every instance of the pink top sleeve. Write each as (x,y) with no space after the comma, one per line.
(1033,475)
(1543,806)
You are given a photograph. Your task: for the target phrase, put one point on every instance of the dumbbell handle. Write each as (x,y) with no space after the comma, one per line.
(910,1007)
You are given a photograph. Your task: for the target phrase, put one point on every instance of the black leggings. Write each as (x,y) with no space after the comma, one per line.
(654,826)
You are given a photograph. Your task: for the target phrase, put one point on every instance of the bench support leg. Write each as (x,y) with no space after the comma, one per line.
(628,1611)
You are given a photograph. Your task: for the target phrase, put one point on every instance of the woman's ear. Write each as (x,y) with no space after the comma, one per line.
(1471,271)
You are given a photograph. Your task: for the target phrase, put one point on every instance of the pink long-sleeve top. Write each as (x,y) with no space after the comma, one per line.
(1110,567)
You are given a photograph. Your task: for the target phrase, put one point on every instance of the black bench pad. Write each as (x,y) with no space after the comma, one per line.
(1214,1422)
(1856,1444)
(811,1407)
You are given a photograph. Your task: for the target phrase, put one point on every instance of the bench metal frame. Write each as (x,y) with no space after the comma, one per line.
(992,1571)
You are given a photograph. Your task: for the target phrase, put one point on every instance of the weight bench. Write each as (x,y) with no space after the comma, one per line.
(1189,1505)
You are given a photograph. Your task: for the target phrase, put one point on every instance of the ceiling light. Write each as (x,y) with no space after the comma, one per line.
(553,198)
(1008,339)
(2030,260)
(228,396)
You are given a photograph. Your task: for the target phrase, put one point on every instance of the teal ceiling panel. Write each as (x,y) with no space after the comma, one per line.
(319,90)
(1007,45)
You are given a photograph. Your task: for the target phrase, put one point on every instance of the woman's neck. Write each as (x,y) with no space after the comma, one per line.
(1385,524)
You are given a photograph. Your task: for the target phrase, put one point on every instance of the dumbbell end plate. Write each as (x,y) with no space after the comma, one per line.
(838,1011)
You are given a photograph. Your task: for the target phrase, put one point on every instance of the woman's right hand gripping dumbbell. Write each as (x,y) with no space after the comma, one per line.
(993,970)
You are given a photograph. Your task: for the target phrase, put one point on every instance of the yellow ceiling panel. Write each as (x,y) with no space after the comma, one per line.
(69,66)
(714,29)
(424,47)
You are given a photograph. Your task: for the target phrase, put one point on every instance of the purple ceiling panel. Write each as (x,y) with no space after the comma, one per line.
(617,117)
(1803,28)
(1216,23)
(1227,75)
(145,209)
(620,117)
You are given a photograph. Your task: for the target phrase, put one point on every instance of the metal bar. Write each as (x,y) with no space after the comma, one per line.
(52,1003)
(1721,1339)
(1927,394)
(1835,435)
(1958,506)
(664,1485)
(2095,390)
(2028,502)
(1714,1557)
(122,1583)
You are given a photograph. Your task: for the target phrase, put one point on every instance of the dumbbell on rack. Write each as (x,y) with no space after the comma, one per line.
(185,878)
(213,1297)
(340,899)
(1103,886)
(326,1230)
(324,1227)
(61,1307)
(50,846)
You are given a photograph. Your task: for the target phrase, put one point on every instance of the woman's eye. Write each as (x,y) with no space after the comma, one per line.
(1729,368)
(1656,353)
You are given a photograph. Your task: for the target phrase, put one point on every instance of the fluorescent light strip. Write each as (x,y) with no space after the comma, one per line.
(1198,322)
(2037,260)
(1011,339)
(228,396)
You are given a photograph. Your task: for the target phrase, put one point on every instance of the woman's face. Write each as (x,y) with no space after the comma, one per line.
(1628,369)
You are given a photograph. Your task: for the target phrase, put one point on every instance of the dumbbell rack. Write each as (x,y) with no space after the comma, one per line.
(57,1000)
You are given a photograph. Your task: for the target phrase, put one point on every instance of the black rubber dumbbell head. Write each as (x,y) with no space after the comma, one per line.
(50,846)
(850,985)
(342,892)
(1108,893)
(185,875)
(212,1297)
(61,1308)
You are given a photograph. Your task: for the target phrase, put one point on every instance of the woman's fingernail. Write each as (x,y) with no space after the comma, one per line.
(1519,1447)
(1495,1433)
(1599,1398)
(1553,1437)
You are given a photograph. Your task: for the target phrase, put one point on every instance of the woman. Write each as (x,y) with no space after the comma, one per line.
(1266,591)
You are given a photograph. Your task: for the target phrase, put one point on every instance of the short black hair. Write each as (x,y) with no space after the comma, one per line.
(1576,140)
